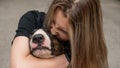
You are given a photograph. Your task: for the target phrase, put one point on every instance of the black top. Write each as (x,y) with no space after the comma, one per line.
(30,21)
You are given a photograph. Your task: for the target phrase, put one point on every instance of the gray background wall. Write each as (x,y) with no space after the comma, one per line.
(12,10)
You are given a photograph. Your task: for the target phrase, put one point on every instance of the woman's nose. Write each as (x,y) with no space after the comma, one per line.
(54,31)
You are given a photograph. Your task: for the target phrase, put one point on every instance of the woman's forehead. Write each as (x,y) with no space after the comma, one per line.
(60,19)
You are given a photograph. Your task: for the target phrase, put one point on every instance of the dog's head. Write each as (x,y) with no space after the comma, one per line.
(45,45)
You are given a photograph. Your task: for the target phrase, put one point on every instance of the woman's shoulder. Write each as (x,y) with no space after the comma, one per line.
(34,16)
(34,13)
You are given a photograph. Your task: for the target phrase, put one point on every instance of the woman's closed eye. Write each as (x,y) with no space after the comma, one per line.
(63,31)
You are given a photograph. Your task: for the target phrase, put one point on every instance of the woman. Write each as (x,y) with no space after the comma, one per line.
(77,21)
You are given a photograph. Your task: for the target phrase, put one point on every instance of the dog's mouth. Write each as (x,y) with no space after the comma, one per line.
(41,48)
(40,51)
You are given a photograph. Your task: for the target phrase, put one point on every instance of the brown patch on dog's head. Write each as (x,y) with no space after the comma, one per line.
(57,47)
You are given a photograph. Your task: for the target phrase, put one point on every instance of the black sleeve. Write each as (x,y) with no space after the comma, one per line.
(28,22)
(68,56)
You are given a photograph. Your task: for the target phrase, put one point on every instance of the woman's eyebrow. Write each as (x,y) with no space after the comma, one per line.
(62,28)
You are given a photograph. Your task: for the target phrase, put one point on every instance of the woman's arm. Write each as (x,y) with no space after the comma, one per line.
(21,58)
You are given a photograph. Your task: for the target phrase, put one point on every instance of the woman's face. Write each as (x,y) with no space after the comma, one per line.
(59,25)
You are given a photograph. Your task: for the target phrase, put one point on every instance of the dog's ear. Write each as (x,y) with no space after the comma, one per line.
(32,33)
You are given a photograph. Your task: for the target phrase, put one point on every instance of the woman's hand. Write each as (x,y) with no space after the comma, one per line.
(21,57)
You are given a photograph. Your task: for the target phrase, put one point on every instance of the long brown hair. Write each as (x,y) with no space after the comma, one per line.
(88,48)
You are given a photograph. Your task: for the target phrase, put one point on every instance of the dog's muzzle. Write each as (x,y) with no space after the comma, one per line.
(39,39)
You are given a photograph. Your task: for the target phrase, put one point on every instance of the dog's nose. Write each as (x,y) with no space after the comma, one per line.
(38,38)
